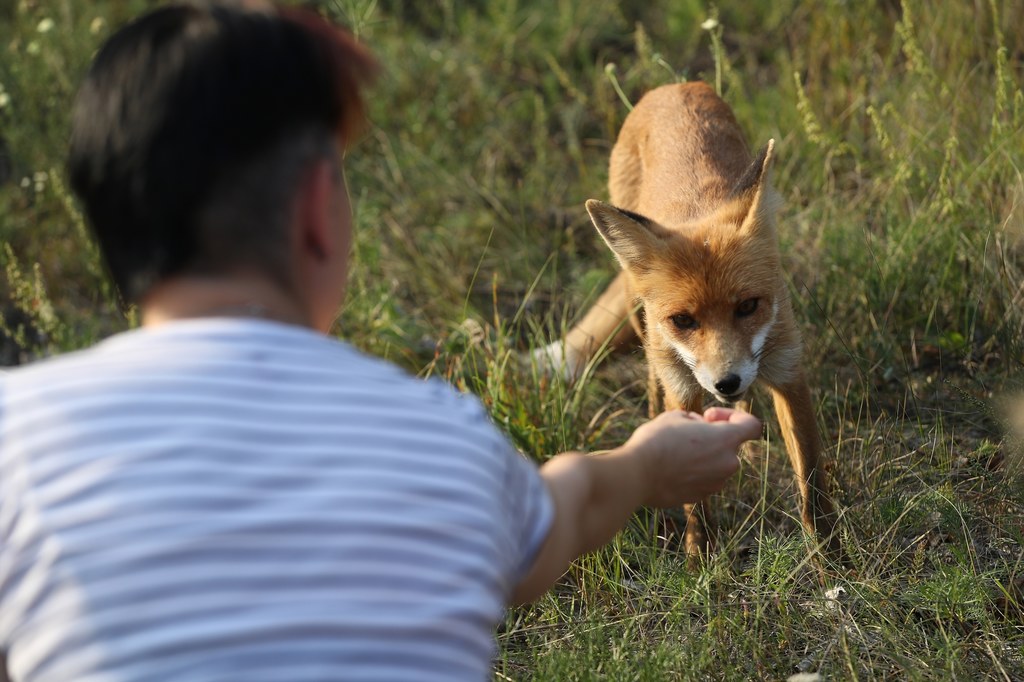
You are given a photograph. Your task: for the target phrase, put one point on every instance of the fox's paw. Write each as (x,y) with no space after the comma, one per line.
(556,358)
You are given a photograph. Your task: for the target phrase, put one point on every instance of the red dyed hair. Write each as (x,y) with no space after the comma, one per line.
(349,64)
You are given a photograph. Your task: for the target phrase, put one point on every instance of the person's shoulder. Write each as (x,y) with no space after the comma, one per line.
(152,359)
(428,394)
(43,383)
(47,367)
(431,395)
(336,361)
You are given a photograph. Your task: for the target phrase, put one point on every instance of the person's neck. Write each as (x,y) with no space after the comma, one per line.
(188,297)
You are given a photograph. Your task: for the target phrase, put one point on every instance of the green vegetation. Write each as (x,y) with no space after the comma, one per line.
(900,143)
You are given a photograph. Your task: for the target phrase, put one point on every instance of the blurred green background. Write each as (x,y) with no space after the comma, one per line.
(900,149)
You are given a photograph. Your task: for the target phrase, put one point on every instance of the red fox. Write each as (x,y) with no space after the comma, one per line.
(693,226)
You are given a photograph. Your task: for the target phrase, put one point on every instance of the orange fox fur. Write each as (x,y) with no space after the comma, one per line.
(701,281)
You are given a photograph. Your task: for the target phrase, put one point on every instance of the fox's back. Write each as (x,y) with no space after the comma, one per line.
(678,155)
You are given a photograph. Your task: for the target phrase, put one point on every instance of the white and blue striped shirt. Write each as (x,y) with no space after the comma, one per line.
(226,499)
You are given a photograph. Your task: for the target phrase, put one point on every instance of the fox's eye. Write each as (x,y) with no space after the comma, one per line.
(684,321)
(747,307)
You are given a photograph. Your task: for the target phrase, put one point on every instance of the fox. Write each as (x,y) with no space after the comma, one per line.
(692,224)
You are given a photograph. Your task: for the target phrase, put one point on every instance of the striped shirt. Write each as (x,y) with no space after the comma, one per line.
(225,499)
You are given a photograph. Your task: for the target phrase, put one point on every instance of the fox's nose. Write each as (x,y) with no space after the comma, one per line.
(728,384)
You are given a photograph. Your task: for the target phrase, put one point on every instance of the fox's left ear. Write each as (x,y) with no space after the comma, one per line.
(755,192)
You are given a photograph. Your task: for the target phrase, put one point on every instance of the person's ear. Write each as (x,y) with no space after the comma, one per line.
(317,238)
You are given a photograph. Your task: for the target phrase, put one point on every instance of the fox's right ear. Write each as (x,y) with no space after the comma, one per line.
(627,234)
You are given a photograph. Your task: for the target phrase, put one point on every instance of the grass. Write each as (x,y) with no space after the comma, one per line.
(900,142)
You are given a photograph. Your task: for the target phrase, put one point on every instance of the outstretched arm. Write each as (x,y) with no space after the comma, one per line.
(675,458)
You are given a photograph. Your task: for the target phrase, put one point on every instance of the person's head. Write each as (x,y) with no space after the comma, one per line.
(197,132)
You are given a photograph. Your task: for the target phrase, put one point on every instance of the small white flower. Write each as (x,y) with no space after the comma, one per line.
(5,99)
(45,26)
(40,176)
(97,25)
(710,24)
(32,47)
(26,182)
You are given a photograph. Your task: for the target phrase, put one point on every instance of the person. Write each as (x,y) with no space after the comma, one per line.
(228,492)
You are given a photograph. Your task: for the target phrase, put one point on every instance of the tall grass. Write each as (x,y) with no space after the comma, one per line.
(900,129)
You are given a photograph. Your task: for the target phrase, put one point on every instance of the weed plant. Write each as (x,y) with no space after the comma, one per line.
(900,144)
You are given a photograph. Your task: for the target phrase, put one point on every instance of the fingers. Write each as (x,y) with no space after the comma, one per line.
(676,415)
(718,414)
(748,427)
(724,465)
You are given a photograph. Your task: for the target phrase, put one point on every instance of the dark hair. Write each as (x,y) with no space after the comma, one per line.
(190,130)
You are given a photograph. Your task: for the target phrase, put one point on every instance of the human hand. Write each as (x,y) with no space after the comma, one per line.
(676,458)
(686,456)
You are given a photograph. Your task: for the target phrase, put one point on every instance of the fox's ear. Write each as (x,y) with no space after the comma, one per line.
(627,234)
(755,192)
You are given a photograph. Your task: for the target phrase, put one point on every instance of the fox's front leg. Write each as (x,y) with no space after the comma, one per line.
(608,322)
(657,402)
(699,541)
(800,432)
